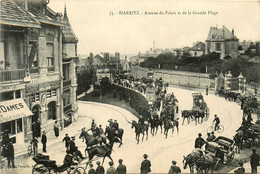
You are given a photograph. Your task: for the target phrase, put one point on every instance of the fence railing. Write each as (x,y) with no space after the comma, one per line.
(10,75)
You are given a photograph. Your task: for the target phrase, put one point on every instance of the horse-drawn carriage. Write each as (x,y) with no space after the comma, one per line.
(223,148)
(200,105)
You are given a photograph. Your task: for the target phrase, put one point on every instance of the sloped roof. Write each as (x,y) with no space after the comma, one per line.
(220,34)
(198,47)
(12,14)
(67,32)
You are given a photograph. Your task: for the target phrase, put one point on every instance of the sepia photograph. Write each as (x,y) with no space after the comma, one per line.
(129,86)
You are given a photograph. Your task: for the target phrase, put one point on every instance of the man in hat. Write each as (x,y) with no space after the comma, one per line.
(111,169)
(91,169)
(199,142)
(93,126)
(44,141)
(141,120)
(121,169)
(241,169)
(217,121)
(100,169)
(67,141)
(10,154)
(145,165)
(74,149)
(115,125)
(174,169)
(254,161)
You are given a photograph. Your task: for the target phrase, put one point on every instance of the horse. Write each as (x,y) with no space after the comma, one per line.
(197,115)
(205,163)
(186,114)
(114,136)
(140,129)
(191,158)
(91,140)
(168,124)
(100,151)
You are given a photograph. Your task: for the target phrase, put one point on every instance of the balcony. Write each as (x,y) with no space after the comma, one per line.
(10,75)
(51,69)
(66,83)
(67,108)
(34,70)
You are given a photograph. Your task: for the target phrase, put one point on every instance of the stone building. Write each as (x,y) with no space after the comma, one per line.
(31,68)
(69,63)
(222,41)
(197,50)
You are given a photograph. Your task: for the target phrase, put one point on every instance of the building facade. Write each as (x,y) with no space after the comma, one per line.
(69,64)
(31,68)
(222,41)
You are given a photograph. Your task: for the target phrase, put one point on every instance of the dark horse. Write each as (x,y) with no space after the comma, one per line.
(186,114)
(206,163)
(191,158)
(114,136)
(100,151)
(168,124)
(197,115)
(140,129)
(91,140)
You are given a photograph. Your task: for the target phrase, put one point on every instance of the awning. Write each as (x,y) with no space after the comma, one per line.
(13,109)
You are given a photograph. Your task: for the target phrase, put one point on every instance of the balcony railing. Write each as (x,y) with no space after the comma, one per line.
(67,108)
(66,83)
(10,75)
(34,70)
(51,69)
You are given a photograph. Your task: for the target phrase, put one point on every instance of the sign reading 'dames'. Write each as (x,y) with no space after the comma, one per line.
(13,109)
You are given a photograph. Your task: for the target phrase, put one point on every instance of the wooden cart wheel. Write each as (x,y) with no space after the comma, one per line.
(206,112)
(39,169)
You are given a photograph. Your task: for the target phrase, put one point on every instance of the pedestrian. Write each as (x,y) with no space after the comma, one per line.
(10,154)
(254,161)
(241,169)
(67,141)
(207,90)
(56,129)
(34,143)
(121,169)
(213,137)
(5,138)
(199,142)
(91,169)
(44,141)
(100,169)
(174,169)
(111,169)
(38,128)
(145,165)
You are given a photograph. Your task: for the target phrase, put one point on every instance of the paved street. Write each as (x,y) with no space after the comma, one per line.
(161,151)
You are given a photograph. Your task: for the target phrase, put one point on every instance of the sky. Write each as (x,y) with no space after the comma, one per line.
(98,31)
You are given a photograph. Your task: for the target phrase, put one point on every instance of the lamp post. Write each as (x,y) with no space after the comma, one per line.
(100,97)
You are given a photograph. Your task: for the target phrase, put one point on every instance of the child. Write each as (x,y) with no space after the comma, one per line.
(34,143)
(67,141)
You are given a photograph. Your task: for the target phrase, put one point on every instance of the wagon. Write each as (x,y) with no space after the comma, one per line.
(200,105)
(225,145)
(45,165)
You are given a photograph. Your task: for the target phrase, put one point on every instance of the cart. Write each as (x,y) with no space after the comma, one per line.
(45,165)
(200,105)
(225,145)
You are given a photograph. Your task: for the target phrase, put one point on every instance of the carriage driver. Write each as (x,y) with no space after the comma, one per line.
(216,119)
(93,125)
(141,120)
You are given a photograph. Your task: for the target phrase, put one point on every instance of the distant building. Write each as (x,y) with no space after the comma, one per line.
(222,41)
(125,65)
(197,50)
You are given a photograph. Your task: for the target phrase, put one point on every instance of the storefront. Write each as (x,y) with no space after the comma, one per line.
(12,115)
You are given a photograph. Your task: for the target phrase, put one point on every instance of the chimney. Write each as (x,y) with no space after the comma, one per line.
(91,55)
(233,32)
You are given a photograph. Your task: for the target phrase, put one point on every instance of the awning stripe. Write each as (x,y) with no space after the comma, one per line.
(13,109)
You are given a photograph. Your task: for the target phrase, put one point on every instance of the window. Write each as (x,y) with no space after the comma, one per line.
(7,96)
(50,52)
(218,46)
(232,46)
(33,52)
(53,92)
(35,97)
(19,125)
(66,74)
(48,94)
(66,98)
(2,56)
(18,94)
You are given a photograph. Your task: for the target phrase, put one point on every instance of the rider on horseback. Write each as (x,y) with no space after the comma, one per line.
(141,120)
(199,142)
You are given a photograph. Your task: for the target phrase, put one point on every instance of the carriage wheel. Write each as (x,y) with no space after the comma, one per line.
(230,159)
(217,164)
(206,111)
(29,149)
(79,170)
(39,168)
(220,128)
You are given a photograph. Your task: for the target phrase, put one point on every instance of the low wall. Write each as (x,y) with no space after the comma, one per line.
(182,78)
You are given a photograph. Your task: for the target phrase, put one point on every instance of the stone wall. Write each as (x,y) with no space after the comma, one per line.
(182,78)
